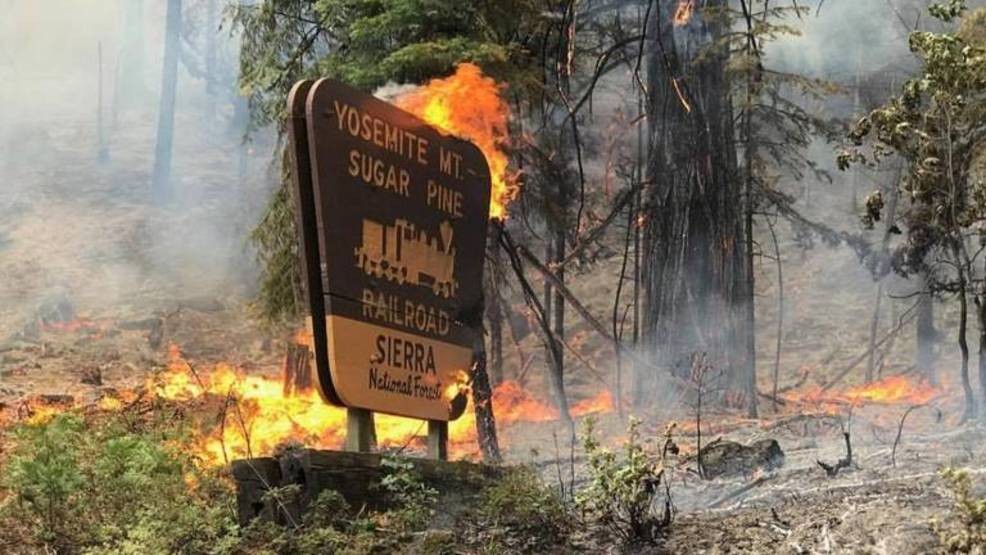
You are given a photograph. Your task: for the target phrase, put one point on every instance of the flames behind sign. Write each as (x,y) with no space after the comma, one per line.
(392,222)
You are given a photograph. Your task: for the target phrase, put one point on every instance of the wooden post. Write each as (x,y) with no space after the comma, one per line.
(359,430)
(438,440)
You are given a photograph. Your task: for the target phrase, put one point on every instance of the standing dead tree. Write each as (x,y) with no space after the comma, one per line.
(693,282)
(161,178)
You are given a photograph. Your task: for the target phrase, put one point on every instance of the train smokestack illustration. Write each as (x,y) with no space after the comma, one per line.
(405,254)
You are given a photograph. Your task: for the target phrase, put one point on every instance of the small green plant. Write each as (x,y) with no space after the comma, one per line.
(413,500)
(965,530)
(98,488)
(627,496)
(520,513)
(45,475)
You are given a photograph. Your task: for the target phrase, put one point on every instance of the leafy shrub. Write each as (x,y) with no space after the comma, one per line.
(44,474)
(102,489)
(965,531)
(414,501)
(330,525)
(623,493)
(520,513)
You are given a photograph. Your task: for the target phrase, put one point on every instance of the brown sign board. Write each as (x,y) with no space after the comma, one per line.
(392,219)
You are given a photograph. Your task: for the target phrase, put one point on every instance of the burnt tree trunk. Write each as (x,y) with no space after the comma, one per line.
(882,270)
(494,309)
(297,369)
(927,335)
(482,401)
(559,302)
(693,280)
(552,344)
(161,180)
(970,399)
(981,320)
(482,393)
(745,280)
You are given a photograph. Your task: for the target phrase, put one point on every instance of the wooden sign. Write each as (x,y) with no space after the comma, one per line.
(392,219)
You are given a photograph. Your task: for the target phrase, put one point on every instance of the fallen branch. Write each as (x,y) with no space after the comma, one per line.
(900,430)
(845,462)
(596,325)
(893,332)
(745,488)
(773,398)
(621,201)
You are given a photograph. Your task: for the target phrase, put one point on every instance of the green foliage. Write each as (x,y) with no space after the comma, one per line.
(965,530)
(623,493)
(108,490)
(947,11)
(330,525)
(366,43)
(773,128)
(414,500)
(370,42)
(520,513)
(935,125)
(44,473)
(277,252)
(100,488)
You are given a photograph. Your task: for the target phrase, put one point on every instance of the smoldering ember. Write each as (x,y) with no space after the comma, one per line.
(463,277)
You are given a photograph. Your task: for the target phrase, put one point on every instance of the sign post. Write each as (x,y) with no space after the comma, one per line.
(392,230)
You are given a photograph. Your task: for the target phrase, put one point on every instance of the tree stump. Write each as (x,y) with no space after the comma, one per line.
(297,370)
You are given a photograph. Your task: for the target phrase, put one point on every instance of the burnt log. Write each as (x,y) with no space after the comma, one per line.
(355,476)
(728,458)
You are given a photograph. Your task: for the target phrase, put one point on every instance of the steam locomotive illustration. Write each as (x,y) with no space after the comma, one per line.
(405,254)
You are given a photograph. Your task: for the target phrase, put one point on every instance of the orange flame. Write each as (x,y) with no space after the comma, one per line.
(889,390)
(468,105)
(257,417)
(893,389)
(683,13)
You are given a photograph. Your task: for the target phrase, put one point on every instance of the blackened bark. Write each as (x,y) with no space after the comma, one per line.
(748,358)
(482,400)
(927,335)
(552,345)
(693,280)
(981,312)
(297,371)
(981,315)
(494,321)
(161,180)
(494,307)
(970,400)
(559,302)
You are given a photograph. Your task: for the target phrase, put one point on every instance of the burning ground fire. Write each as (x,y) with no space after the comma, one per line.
(256,417)
(889,390)
(468,105)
